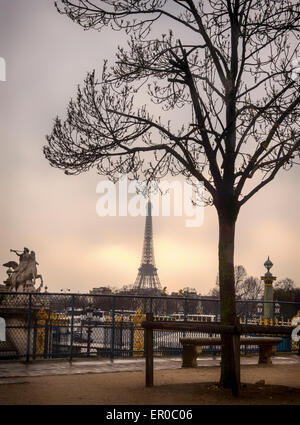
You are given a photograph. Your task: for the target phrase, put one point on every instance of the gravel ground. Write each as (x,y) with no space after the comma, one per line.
(262,385)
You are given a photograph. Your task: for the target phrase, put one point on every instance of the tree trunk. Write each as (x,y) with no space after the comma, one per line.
(230,360)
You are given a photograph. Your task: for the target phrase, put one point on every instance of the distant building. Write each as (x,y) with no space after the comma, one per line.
(102,290)
(189,292)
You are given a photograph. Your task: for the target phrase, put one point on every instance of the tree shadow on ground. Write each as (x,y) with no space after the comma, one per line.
(210,393)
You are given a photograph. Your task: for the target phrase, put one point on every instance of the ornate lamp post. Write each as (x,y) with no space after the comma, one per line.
(268,279)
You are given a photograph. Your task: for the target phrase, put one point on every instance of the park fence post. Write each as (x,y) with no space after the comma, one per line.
(149,352)
(112,341)
(28,328)
(34,340)
(46,342)
(185,309)
(131,327)
(72,329)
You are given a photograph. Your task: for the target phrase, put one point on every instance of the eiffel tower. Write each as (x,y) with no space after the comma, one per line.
(147,277)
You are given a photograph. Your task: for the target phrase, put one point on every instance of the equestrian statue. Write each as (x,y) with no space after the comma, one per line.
(22,276)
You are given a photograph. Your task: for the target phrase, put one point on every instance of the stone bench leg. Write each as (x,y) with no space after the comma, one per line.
(265,354)
(189,356)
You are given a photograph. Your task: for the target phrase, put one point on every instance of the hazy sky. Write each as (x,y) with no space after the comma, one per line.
(47,56)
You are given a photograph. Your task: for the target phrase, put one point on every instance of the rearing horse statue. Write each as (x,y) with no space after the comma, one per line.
(25,273)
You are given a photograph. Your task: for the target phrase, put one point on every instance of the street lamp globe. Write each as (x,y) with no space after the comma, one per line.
(259,308)
(268,264)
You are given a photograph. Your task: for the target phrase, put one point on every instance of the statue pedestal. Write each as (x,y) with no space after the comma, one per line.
(21,331)
(16,321)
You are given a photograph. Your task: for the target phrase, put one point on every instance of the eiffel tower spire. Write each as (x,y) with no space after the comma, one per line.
(147,277)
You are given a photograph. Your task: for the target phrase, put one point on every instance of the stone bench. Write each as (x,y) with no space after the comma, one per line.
(192,347)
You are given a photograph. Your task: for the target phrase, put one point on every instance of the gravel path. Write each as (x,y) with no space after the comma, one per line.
(275,384)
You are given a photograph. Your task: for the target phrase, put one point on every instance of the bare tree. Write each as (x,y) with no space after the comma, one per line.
(225,62)
(286,293)
(246,287)
(253,289)
(286,285)
(239,277)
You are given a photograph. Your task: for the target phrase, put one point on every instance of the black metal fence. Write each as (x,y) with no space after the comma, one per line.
(55,325)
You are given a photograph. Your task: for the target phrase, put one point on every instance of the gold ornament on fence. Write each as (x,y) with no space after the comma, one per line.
(42,317)
(138,333)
